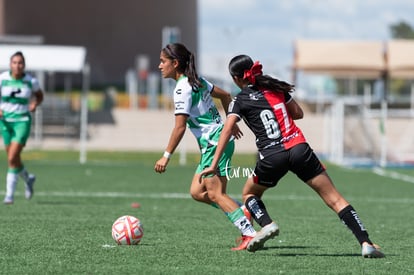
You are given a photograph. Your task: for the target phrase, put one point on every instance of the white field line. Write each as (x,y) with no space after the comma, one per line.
(268,196)
(393,175)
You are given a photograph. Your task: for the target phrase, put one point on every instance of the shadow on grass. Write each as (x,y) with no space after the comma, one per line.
(269,248)
(58,203)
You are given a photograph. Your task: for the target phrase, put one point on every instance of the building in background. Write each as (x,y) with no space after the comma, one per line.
(113,32)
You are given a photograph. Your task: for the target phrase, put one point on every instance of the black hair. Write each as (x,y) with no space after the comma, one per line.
(241,63)
(18,53)
(186,62)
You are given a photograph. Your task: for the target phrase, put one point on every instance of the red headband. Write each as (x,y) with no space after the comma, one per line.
(254,71)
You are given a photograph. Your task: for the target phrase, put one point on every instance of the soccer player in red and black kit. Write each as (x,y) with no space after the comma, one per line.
(266,106)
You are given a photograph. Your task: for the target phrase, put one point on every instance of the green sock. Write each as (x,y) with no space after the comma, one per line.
(235,215)
(215,205)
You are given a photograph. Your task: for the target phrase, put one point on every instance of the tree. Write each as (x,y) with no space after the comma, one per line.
(402,30)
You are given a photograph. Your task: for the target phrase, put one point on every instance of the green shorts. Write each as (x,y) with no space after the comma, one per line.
(16,131)
(224,163)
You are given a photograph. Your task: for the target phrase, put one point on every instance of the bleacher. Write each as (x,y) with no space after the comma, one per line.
(58,118)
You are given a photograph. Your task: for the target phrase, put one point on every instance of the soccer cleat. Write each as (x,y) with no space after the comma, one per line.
(371,251)
(267,232)
(8,200)
(242,243)
(29,187)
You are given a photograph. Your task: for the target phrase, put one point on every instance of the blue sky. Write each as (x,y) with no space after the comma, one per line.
(266,29)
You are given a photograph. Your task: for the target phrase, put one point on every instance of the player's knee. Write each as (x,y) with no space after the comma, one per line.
(199,196)
(195,196)
(13,161)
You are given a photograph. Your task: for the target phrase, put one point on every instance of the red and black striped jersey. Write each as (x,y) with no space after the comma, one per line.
(266,114)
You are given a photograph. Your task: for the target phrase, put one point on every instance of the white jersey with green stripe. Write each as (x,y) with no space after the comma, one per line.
(15,96)
(203,120)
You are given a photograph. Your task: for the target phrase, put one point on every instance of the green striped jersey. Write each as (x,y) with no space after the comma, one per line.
(15,96)
(204,120)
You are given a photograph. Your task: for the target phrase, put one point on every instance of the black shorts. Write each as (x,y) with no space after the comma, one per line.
(300,159)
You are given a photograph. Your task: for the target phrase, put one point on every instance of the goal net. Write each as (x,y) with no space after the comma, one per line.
(356,133)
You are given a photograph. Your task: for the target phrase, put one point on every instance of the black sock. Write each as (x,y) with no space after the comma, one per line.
(350,218)
(257,208)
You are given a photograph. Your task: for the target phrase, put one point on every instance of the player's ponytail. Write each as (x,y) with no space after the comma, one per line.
(186,62)
(243,67)
(191,73)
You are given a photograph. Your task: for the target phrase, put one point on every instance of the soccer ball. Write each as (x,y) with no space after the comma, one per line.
(127,230)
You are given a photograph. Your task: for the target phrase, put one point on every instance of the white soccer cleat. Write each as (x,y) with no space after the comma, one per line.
(8,200)
(371,251)
(29,187)
(268,232)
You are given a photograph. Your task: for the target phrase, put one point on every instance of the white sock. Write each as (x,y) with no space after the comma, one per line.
(245,226)
(238,218)
(11,182)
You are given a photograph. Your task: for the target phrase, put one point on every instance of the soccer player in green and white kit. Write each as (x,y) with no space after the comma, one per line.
(194,107)
(20,95)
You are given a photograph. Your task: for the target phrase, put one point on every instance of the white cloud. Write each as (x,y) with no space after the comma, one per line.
(266,29)
(220,4)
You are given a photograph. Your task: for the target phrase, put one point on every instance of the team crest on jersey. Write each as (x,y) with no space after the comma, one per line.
(255,96)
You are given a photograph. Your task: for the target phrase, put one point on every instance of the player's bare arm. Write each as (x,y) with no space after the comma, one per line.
(38,99)
(294,109)
(175,138)
(226,99)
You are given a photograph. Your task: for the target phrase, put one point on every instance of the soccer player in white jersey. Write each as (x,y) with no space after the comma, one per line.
(20,95)
(195,108)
